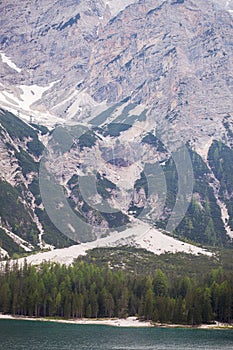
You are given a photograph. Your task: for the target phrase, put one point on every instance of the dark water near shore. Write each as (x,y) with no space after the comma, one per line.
(33,335)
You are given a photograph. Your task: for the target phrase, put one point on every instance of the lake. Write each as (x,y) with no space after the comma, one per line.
(36,335)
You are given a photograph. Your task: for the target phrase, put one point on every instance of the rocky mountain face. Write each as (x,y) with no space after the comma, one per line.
(24,224)
(50,43)
(142,94)
(179,56)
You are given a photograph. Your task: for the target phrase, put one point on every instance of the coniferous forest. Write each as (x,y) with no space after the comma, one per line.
(86,290)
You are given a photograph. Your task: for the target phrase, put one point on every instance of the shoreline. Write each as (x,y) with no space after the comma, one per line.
(131,322)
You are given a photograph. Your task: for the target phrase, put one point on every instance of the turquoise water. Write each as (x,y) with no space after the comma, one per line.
(33,335)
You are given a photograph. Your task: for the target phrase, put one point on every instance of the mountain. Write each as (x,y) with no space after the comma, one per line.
(23,220)
(126,120)
(35,214)
(79,62)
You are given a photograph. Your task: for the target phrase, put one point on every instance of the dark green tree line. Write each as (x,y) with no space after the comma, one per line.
(85,290)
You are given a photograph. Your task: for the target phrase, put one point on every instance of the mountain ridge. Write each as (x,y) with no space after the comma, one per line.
(126,93)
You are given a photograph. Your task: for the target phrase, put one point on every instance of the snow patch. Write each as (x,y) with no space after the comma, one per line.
(225,218)
(18,240)
(72,229)
(215,184)
(117,6)
(10,63)
(21,101)
(3,253)
(31,93)
(203,149)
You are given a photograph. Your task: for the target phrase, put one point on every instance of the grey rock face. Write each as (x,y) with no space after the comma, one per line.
(162,67)
(49,38)
(174,57)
